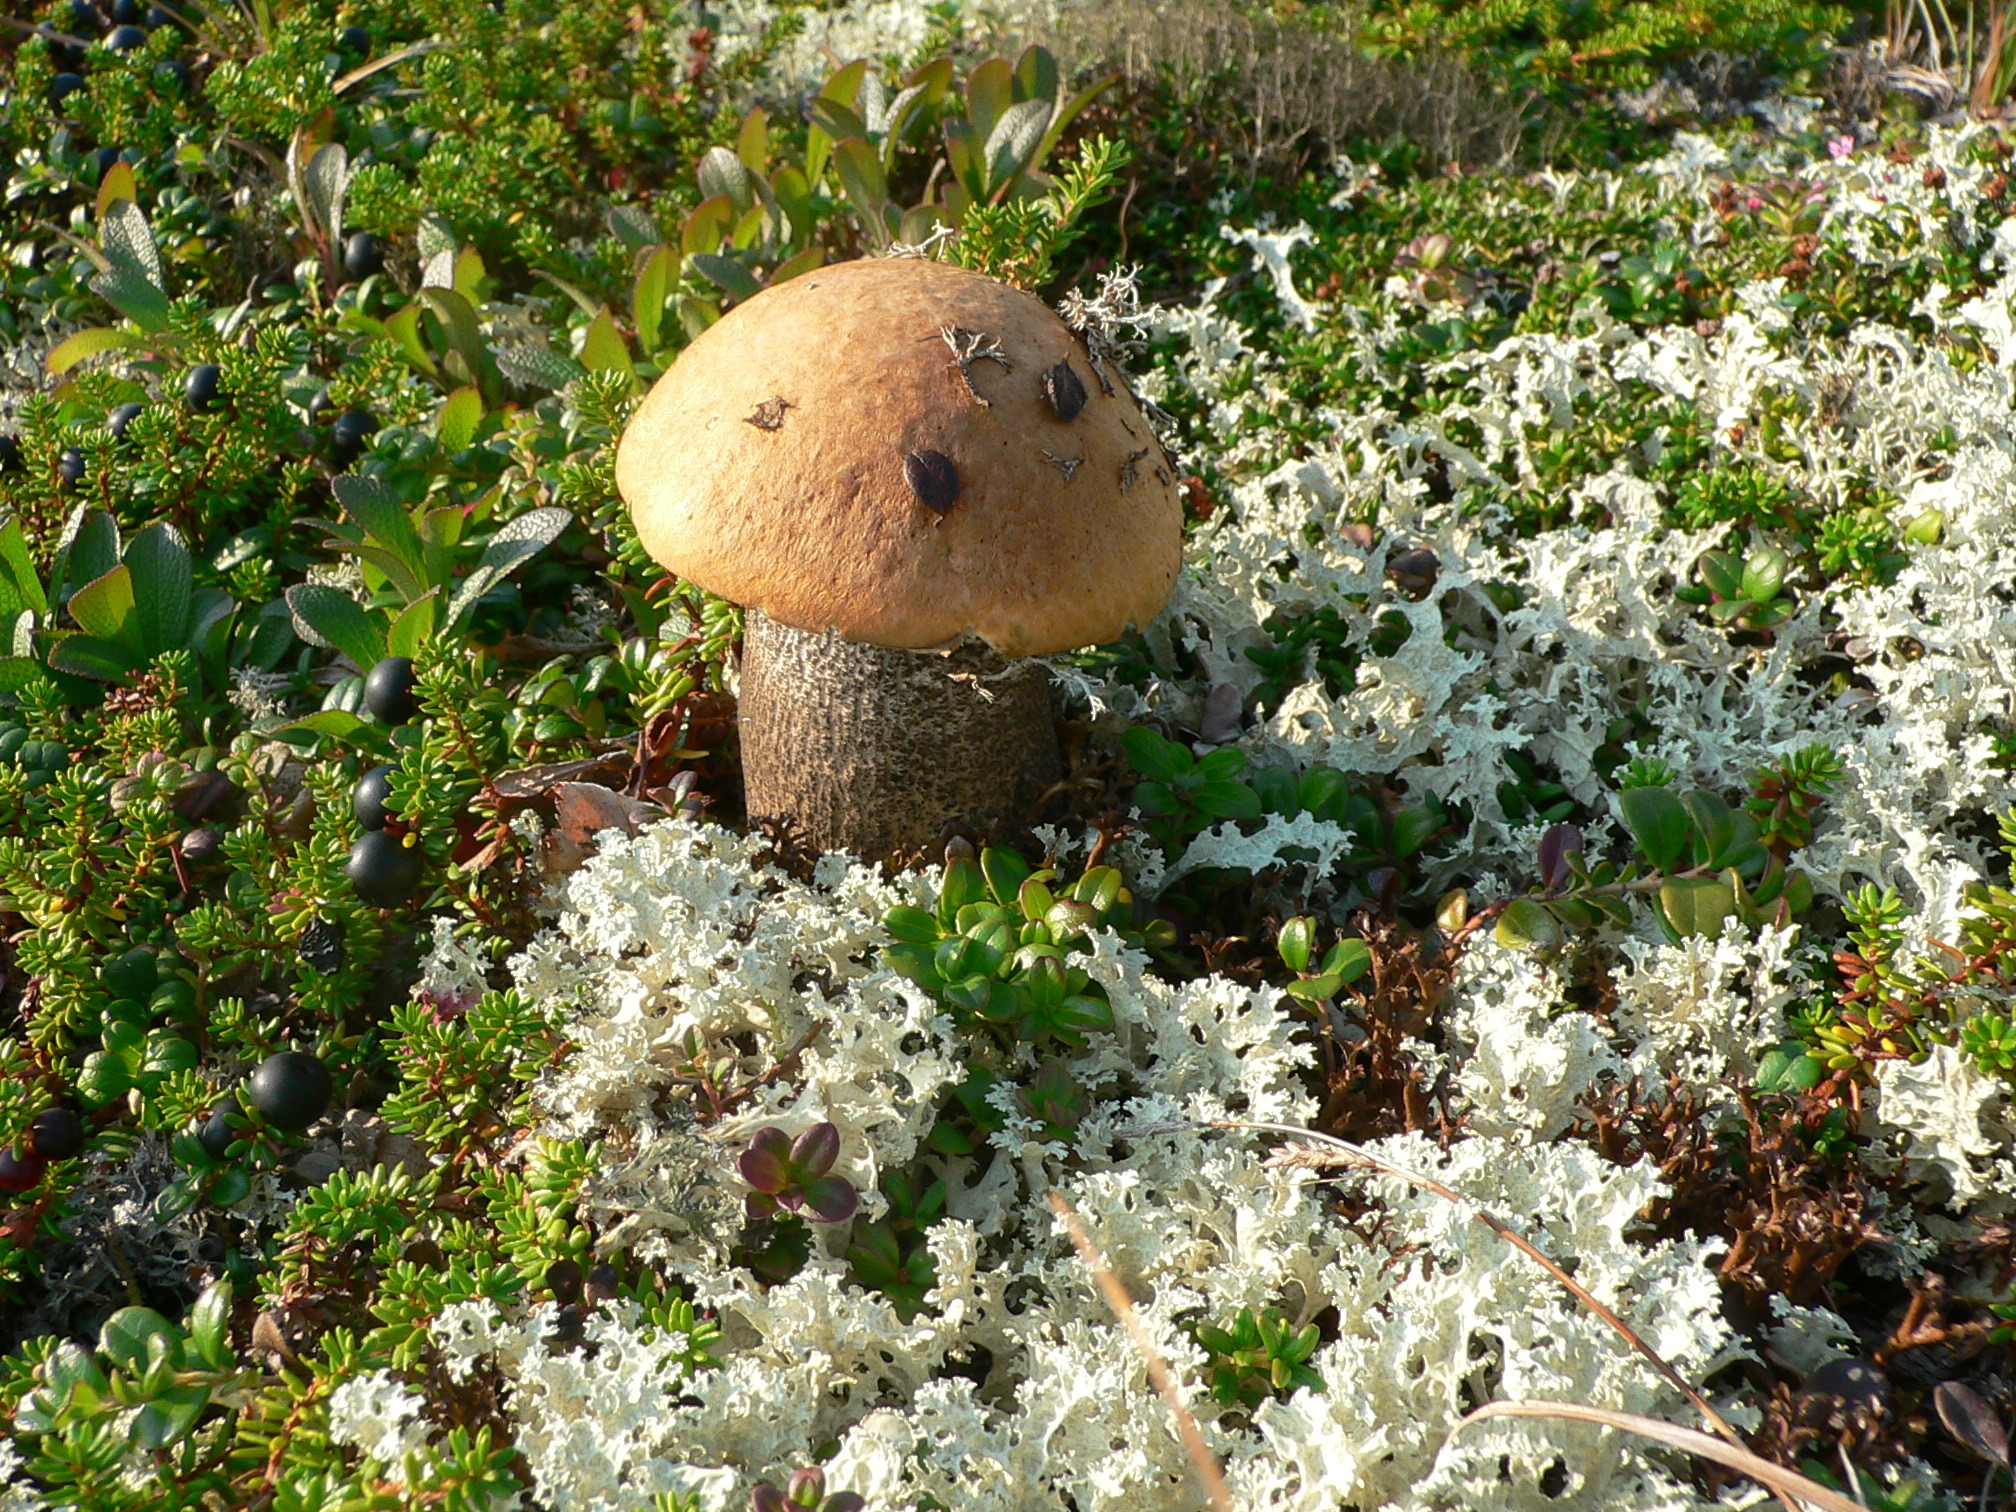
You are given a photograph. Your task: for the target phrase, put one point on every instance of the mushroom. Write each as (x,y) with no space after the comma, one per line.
(913,478)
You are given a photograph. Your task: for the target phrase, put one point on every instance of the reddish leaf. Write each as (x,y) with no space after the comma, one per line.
(830,1199)
(766,1164)
(814,1151)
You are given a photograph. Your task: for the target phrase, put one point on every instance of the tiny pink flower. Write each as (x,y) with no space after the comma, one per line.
(1841,147)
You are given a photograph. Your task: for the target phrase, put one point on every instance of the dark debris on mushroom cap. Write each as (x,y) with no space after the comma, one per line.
(1065,391)
(933,478)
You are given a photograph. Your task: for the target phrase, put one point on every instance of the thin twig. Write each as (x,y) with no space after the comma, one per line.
(1158,1368)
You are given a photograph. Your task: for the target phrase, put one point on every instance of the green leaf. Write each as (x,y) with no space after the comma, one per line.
(210,1325)
(1347,960)
(1227,800)
(632,225)
(75,1378)
(458,323)
(707,225)
(158,562)
(386,523)
(414,626)
(1013,142)
(129,243)
(339,724)
(965,152)
(133,296)
(1714,827)
(167,1417)
(911,926)
(990,90)
(20,587)
(726,274)
(104,606)
(1525,925)
(1005,872)
(721,172)
(326,178)
(124,1338)
(660,275)
(461,413)
(860,170)
(1226,761)
(1763,574)
(1658,823)
(752,142)
(325,616)
(1722,574)
(603,349)
(117,183)
(1696,905)
(88,656)
(538,367)
(1413,828)
(1296,939)
(404,328)
(792,267)
(1154,757)
(89,547)
(1036,74)
(89,342)
(515,543)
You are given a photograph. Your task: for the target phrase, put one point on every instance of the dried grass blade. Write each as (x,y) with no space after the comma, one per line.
(1789,1485)
(1158,1368)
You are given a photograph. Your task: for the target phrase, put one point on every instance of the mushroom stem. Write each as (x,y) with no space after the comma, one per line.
(861,748)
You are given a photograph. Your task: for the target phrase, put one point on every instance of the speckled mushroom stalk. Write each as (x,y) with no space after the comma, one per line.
(877,751)
(883,460)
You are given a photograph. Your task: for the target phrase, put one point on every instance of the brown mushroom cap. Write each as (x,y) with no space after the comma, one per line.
(818,454)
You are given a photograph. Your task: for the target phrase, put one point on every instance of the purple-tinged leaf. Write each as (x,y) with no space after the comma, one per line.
(806,1487)
(814,1151)
(1560,842)
(845,1501)
(766,1163)
(830,1199)
(761,1205)
(767,1498)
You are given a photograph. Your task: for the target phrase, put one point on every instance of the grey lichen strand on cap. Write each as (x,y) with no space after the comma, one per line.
(815,520)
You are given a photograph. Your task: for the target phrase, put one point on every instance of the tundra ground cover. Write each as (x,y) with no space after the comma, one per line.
(1574,764)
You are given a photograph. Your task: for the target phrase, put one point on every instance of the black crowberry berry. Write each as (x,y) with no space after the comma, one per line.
(361,257)
(388,690)
(367,799)
(56,1134)
(354,40)
(63,86)
(199,389)
(216,1134)
(126,38)
(348,434)
(120,418)
(70,467)
(20,1170)
(128,12)
(291,1089)
(10,454)
(384,871)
